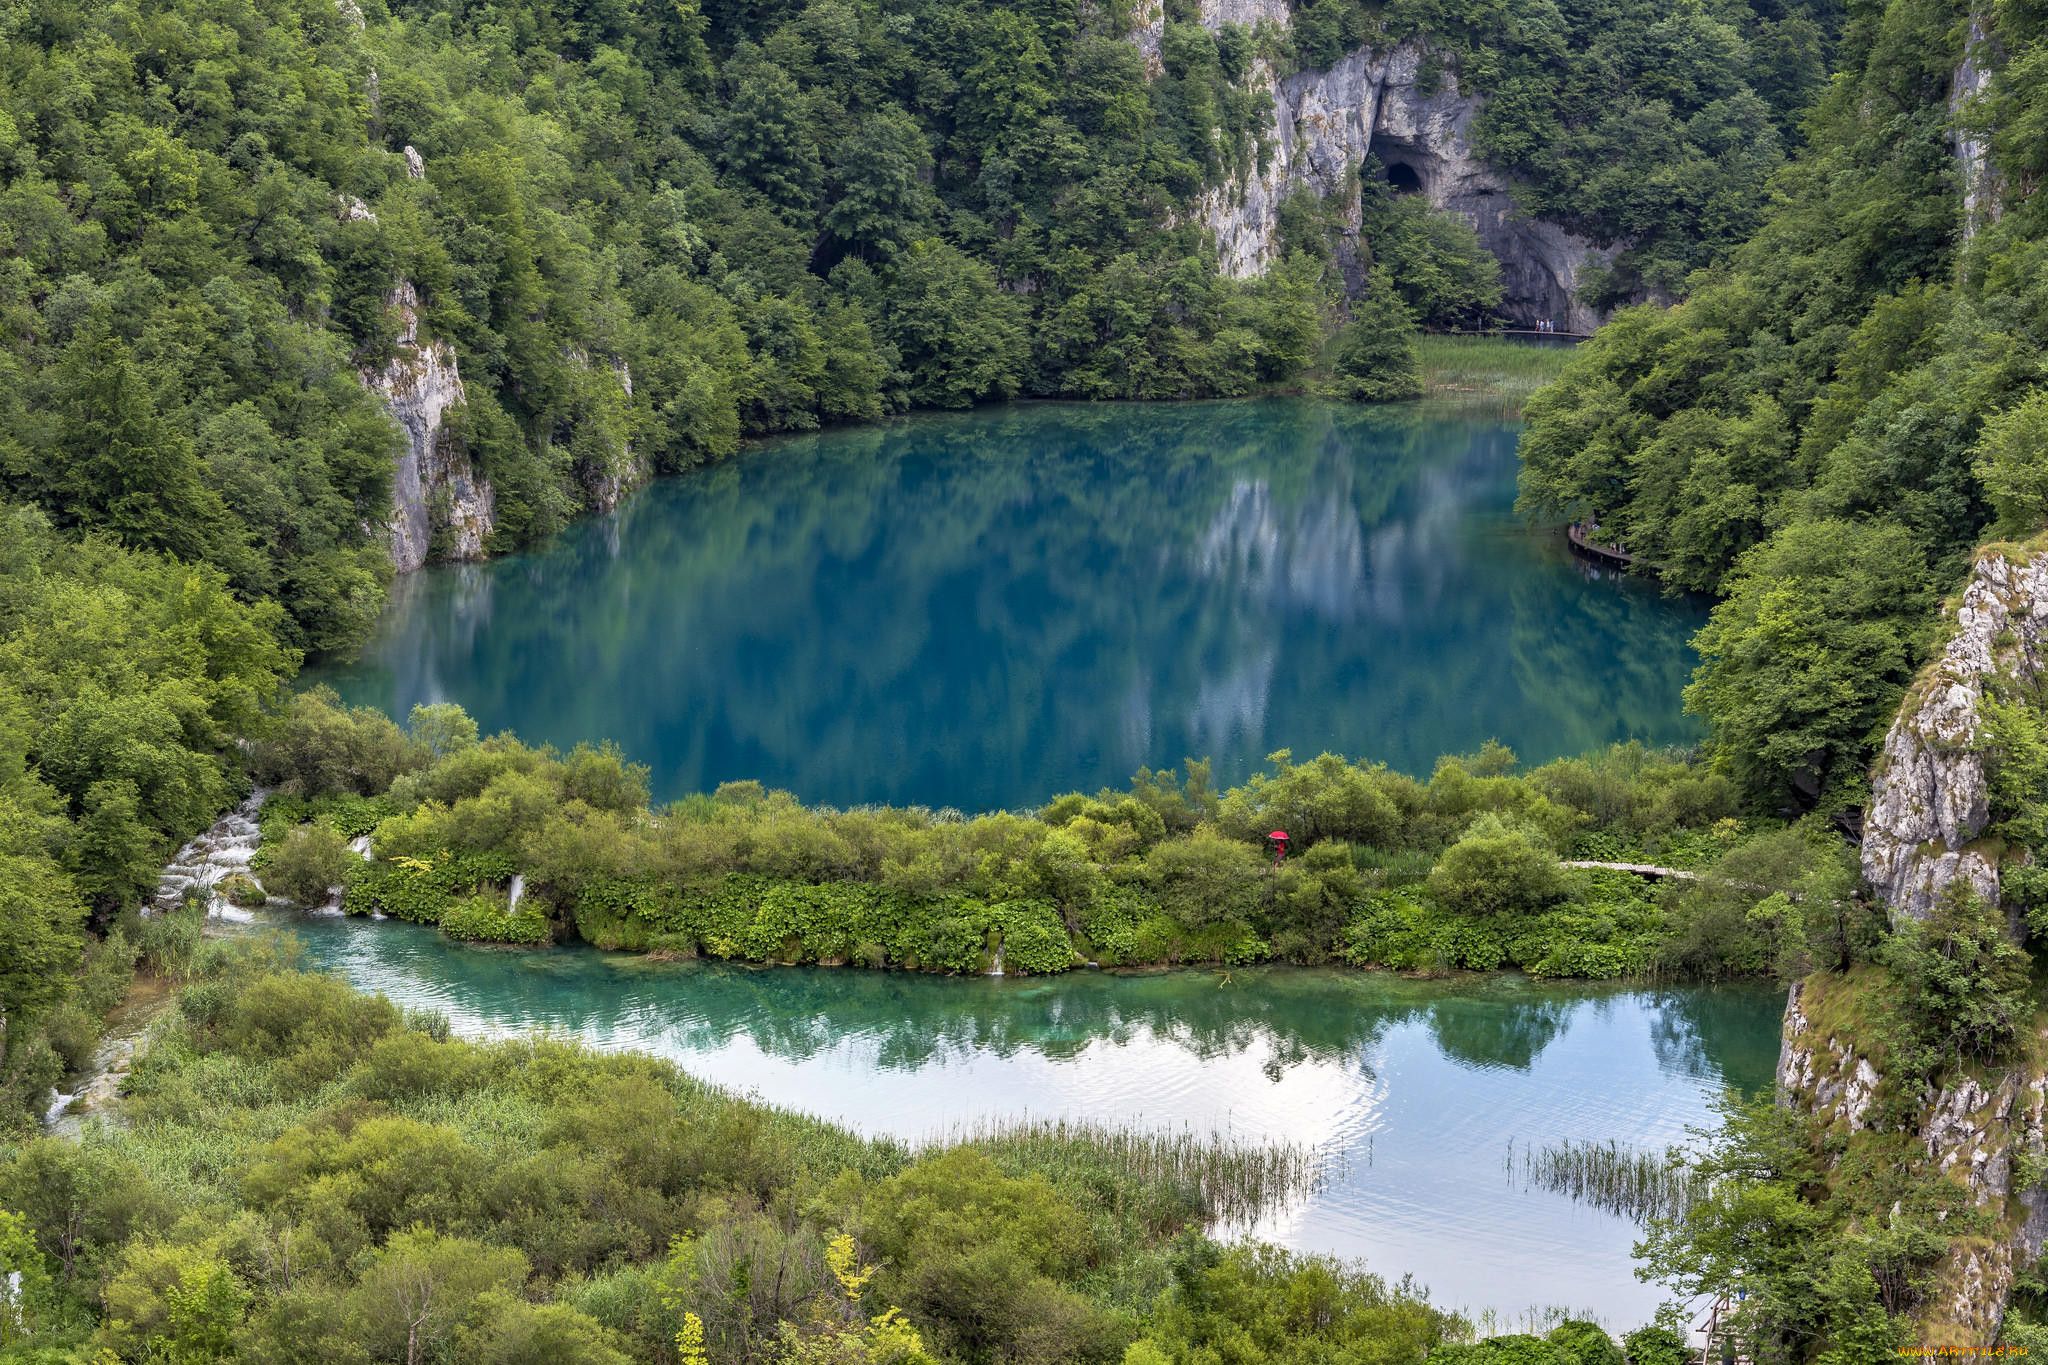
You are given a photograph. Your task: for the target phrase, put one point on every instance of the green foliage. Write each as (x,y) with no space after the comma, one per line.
(1432,260)
(484,919)
(1375,359)
(1496,869)
(1805,660)
(1274,1306)
(308,862)
(1829,1242)
(1828,425)
(1966,988)
(2012,461)
(1657,1344)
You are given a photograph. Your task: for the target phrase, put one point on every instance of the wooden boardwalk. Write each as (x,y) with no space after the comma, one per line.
(1593,550)
(1640,869)
(1516,332)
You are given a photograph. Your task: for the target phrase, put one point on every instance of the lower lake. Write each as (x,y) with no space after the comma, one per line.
(1422,1093)
(985,609)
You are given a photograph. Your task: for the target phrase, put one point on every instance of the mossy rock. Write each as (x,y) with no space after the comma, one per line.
(242,891)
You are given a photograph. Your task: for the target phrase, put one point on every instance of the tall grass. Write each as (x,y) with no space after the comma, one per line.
(1223,1181)
(1491,373)
(1637,1185)
(1535,1320)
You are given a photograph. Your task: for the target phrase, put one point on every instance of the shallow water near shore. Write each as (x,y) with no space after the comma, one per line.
(986,609)
(1416,1089)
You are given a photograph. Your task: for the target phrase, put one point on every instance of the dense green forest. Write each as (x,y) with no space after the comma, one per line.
(771,215)
(1837,416)
(775,216)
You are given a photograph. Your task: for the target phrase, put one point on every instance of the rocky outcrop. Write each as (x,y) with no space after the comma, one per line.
(1215,14)
(1929,797)
(1826,1073)
(438,502)
(1972,148)
(1404,107)
(608,479)
(1971,1131)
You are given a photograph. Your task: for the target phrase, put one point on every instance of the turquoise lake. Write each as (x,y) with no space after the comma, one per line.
(982,610)
(1414,1089)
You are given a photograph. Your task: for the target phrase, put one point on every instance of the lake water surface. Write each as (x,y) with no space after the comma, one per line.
(986,609)
(1416,1088)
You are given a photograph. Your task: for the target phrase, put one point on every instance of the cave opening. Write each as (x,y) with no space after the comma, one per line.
(1402,179)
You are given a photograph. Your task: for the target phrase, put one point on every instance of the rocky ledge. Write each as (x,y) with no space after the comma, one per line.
(1929,798)
(1969,1129)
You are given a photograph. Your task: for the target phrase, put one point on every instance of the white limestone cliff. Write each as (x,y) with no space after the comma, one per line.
(1929,797)
(435,493)
(1970,1130)
(1403,106)
(1972,147)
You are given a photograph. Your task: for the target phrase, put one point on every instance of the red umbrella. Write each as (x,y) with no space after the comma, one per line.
(1279,838)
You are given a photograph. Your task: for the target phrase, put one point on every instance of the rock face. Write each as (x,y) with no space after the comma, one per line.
(1215,14)
(607,481)
(1929,800)
(1970,1130)
(1972,150)
(434,488)
(1825,1073)
(1404,107)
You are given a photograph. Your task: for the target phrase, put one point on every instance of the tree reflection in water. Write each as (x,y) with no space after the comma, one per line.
(985,609)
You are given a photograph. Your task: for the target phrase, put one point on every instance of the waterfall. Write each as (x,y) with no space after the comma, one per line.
(518,890)
(210,858)
(996,968)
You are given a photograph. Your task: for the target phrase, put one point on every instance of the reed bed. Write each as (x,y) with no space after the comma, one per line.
(1635,1184)
(1224,1181)
(1489,372)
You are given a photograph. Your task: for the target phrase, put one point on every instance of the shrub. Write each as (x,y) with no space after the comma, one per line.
(485,919)
(310,861)
(1496,870)
(1965,984)
(1657,1345)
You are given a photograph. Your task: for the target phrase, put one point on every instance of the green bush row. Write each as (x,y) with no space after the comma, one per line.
(754,919)
(1597,941)
(486,919)
(421,889)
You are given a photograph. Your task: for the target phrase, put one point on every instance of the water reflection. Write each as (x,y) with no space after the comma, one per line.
(985,609)
(1417,1087)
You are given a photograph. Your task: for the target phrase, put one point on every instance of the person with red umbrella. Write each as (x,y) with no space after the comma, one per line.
(1279,838)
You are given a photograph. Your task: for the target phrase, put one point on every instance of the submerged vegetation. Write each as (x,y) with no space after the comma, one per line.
(1634,1184)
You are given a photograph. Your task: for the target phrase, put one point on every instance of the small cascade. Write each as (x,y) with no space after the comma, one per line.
(221,852)
(996,967)
(94,1091)
(518,890)
(360,846)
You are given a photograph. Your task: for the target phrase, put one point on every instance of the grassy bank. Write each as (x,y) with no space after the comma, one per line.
(1493,373)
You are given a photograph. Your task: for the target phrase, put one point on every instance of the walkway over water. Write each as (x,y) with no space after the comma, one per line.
(1517,332)
(1610,553)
